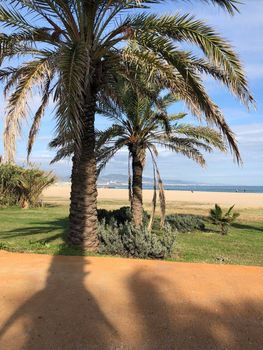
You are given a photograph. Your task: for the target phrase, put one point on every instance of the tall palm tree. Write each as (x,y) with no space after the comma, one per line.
(73,50)
(139,125)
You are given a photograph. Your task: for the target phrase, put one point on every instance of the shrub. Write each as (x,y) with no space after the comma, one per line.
(8,184)
(185,223)
(126,240)
(224,220)
(20,186)
(120,215)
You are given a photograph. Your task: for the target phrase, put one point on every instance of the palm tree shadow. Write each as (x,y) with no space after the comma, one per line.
(242,226)
(43,227)
(64,314)
(175,322)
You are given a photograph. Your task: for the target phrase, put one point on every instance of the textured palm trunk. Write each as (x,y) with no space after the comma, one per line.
(136,200)
(83,206)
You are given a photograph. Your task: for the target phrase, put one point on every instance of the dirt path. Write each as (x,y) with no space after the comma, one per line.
(76,303)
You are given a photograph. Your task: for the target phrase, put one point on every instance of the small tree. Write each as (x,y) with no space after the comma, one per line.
(31,185)
(224,220)
(140,125)
(23,187)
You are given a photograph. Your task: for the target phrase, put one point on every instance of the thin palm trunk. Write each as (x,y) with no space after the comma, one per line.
(83,207)
(137,201)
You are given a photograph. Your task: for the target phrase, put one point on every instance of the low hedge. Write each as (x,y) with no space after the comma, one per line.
(120,215)
(126,240)
(186,222)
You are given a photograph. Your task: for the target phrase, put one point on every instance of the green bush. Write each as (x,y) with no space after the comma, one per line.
(23,187)
(126,240)
(186,223)
(223,219)
(8,184)
(120,215)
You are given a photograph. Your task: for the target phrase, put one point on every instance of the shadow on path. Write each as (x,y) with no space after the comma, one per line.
(170,320)
(64,315)
(155,313)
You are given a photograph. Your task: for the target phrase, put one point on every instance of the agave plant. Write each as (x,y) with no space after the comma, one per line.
(141,126)
(224,220)
(73,50)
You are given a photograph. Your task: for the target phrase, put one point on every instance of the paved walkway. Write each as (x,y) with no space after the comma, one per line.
(76,303)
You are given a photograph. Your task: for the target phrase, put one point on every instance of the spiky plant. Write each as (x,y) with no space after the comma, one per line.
(20,186)
(141,126)
(224,220)
(74,49)
(31,184)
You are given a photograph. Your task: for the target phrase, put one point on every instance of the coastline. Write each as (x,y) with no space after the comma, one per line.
(61,192)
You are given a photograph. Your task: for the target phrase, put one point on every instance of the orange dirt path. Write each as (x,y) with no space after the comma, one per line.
(83,303)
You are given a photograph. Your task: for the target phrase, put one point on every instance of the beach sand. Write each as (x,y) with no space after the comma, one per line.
(61,192)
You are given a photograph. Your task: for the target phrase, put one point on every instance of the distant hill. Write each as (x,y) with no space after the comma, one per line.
(109,179)
(121,181)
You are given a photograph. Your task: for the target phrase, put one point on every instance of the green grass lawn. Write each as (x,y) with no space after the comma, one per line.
(43,230)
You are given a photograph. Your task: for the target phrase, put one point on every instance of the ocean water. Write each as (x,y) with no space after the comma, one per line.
(203,188)
(233,189)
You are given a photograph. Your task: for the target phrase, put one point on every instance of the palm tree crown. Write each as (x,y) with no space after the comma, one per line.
(72,44)
(140,126)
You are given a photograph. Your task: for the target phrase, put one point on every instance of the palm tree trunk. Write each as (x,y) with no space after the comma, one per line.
(136,201)
(83,205)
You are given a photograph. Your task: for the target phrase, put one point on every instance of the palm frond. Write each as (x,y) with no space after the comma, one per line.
(161,191)
(14,19)
(72,83)
(150,224)
(130,178)
(205,134)
(37,118)
(17,107)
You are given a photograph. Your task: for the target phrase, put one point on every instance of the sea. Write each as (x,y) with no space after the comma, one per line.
(201,188)
(205,188)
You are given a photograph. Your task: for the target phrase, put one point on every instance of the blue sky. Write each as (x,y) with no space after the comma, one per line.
(244,31)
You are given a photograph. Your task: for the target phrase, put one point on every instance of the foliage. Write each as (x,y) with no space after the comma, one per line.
(54,40)
(126,240)
(186,222)
(142,125)
(72,52)
(224,220)
(8,183)
(23,187)
(120,216)
(243,245)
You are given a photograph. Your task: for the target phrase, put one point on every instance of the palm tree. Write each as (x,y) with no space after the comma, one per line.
(224,220)
(140,126)
(73,50)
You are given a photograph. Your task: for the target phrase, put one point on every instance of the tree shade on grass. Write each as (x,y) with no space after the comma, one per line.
(73,50)
(45,230)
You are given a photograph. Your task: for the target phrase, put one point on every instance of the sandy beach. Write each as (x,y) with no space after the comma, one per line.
(61,192)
